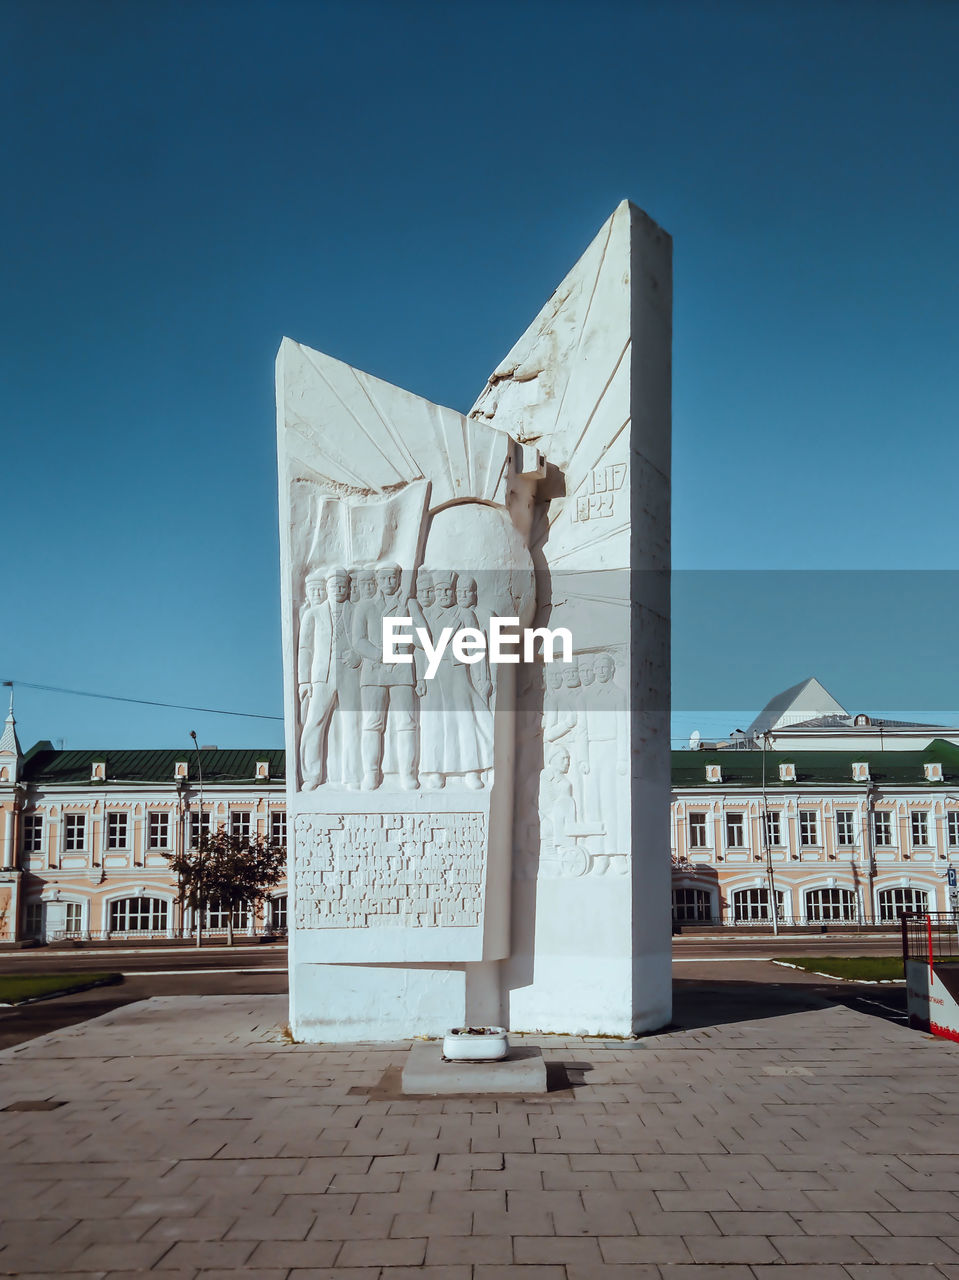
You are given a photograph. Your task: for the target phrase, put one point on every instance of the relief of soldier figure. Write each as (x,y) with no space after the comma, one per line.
(585,771)
(362,718)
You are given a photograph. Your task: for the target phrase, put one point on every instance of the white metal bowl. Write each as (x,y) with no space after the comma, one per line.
(475,1044)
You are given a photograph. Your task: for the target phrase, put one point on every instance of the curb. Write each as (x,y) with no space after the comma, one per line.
(862,982)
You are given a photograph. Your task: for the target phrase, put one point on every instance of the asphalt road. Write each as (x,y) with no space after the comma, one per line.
(136,960)
(735,946)
(188,958)
(705,992)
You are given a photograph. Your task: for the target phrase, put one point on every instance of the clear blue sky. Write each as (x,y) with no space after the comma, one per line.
(402,185)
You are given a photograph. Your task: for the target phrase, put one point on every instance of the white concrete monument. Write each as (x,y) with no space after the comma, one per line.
(471,840)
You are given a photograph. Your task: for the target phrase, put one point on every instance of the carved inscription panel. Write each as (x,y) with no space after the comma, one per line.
(596,496)
(370,870)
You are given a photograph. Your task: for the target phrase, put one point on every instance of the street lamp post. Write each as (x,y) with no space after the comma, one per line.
(198,895)
(764,827)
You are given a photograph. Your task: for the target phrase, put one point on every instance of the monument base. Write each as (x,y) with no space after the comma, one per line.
(425,1072)
(341,1003)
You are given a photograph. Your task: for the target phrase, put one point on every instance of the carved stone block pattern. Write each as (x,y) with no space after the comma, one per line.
(412,870)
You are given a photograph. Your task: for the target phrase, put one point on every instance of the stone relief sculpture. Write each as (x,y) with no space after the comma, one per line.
(580,789)
(387,690)
(465,838)
(354,707)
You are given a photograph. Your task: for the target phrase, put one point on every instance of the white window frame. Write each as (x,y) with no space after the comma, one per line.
(918,897)
(833,904)
(120,839)
(734,818)
(882,823)
(277,821)
(193,827)
(32,838)
(217,916)
(275,909)
(72,823)
(772,819)
(756,900)
(919,822)
(158,830)
(698,910)
(809,836)
(160,908)
(241,823)
(845,827)
(952,826)
(75,909)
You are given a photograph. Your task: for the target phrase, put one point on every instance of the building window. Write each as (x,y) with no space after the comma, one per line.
(830,904)
(74,917)
(893,902)
(278,919)
(953,829)
(691,904)
(808,828)
(845,828)
(195,827)
(218,915)
(278,828)
(240,824)
(158,831)
(882,828)
(33,834)
(118,831)
(33,919)
(74,832)
(735,831)
(773,829)
(753,904)
(697,831)
(138,915)
(920,829)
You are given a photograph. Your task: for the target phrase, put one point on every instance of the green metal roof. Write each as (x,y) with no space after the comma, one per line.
(889,768)
(43,764)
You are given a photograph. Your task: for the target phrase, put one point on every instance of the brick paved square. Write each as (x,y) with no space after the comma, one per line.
(382,1253)
(466,1250)
(682,1153)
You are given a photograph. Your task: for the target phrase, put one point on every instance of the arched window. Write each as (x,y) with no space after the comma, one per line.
(217,917)
(688,904)
(830,904)
(893,902)
(278,920)
(138,915)
(753,904)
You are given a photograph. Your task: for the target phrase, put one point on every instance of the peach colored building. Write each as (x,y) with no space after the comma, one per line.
(851,836)
(844,836)
(84,834)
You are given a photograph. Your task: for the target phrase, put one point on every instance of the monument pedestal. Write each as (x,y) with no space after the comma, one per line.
(426,1074)
(347,1002)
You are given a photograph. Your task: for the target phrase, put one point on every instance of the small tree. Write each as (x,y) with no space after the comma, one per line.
(227,870)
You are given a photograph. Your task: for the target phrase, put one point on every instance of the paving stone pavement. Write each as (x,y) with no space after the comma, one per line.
(192,1140)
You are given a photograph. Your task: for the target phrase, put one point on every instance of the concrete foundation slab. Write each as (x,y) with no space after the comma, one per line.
(425,1072)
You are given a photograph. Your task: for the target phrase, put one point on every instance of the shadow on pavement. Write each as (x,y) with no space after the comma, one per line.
(27,1021)
(712,1003)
